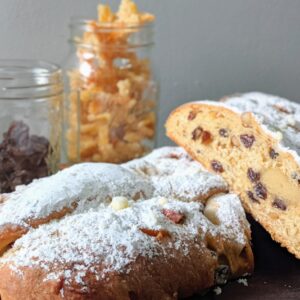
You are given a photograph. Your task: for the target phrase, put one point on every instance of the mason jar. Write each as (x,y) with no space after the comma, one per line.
(30,121)
(111,92)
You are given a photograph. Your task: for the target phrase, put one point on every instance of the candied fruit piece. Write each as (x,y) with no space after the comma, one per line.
(159,234)
(206,137)
(174,216)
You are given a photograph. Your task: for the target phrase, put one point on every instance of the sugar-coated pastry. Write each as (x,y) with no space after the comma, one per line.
(165,229)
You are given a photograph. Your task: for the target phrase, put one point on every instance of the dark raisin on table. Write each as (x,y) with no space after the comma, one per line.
(22,157)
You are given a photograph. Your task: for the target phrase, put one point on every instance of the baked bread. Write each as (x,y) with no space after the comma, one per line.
(253,141)
(169,242)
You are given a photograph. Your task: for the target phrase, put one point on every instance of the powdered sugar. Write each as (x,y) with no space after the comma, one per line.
(114,239)
(173,173)
(276,114)
(98,239)
(78,184)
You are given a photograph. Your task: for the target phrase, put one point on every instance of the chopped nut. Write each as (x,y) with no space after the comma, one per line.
(219,115)
(159,234)
(162,201)
(260,191)
(174,216)
(235,141)
(206,137)
(247,140)
(119,203)
(246,119)
(210,211)
(217,166)
(252,197)
(197,132)
(273,154)
(192,115)
(223,132)
(253,176)
(279,203)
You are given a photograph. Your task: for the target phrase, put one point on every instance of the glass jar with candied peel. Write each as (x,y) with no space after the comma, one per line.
(112,94)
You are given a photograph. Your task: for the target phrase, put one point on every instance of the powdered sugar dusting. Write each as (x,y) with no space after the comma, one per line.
(78,184)
(173,173)
(97,239)
(276,114)
(114,239)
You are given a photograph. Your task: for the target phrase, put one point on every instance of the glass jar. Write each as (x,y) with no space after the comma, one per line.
(111,93)
(30,121)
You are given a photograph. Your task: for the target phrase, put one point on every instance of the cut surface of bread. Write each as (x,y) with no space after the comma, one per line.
(251,140)
(181,234)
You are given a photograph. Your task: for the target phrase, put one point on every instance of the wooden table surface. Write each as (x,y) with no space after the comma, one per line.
(276,275)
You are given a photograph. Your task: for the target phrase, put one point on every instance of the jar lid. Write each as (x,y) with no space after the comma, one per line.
(29,79)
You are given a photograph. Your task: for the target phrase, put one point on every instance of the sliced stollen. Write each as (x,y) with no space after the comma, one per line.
(253,141)
(170,242)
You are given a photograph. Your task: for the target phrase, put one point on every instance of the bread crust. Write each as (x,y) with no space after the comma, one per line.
(139,252)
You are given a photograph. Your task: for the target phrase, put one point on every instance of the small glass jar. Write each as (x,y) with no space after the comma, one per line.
(111,92)
(30,121)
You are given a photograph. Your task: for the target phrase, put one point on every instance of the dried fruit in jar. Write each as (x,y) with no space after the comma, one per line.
(112,95)
(23,157)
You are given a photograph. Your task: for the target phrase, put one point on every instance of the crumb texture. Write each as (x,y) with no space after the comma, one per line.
(254,145)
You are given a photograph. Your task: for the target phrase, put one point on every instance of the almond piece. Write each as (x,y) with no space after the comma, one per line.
(246,118)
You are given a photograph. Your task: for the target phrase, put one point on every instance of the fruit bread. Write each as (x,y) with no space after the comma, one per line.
(126,232)
(253,141)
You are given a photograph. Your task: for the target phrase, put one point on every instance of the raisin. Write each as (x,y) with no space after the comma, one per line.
(247,140)
(217,166)
(197,132)
(206,137)
(192,115)
(261,191)
(223,132)
(252,175)
(252,197)
(279,203)
(273,154)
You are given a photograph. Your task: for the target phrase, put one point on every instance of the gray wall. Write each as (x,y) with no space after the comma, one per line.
(205,48)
